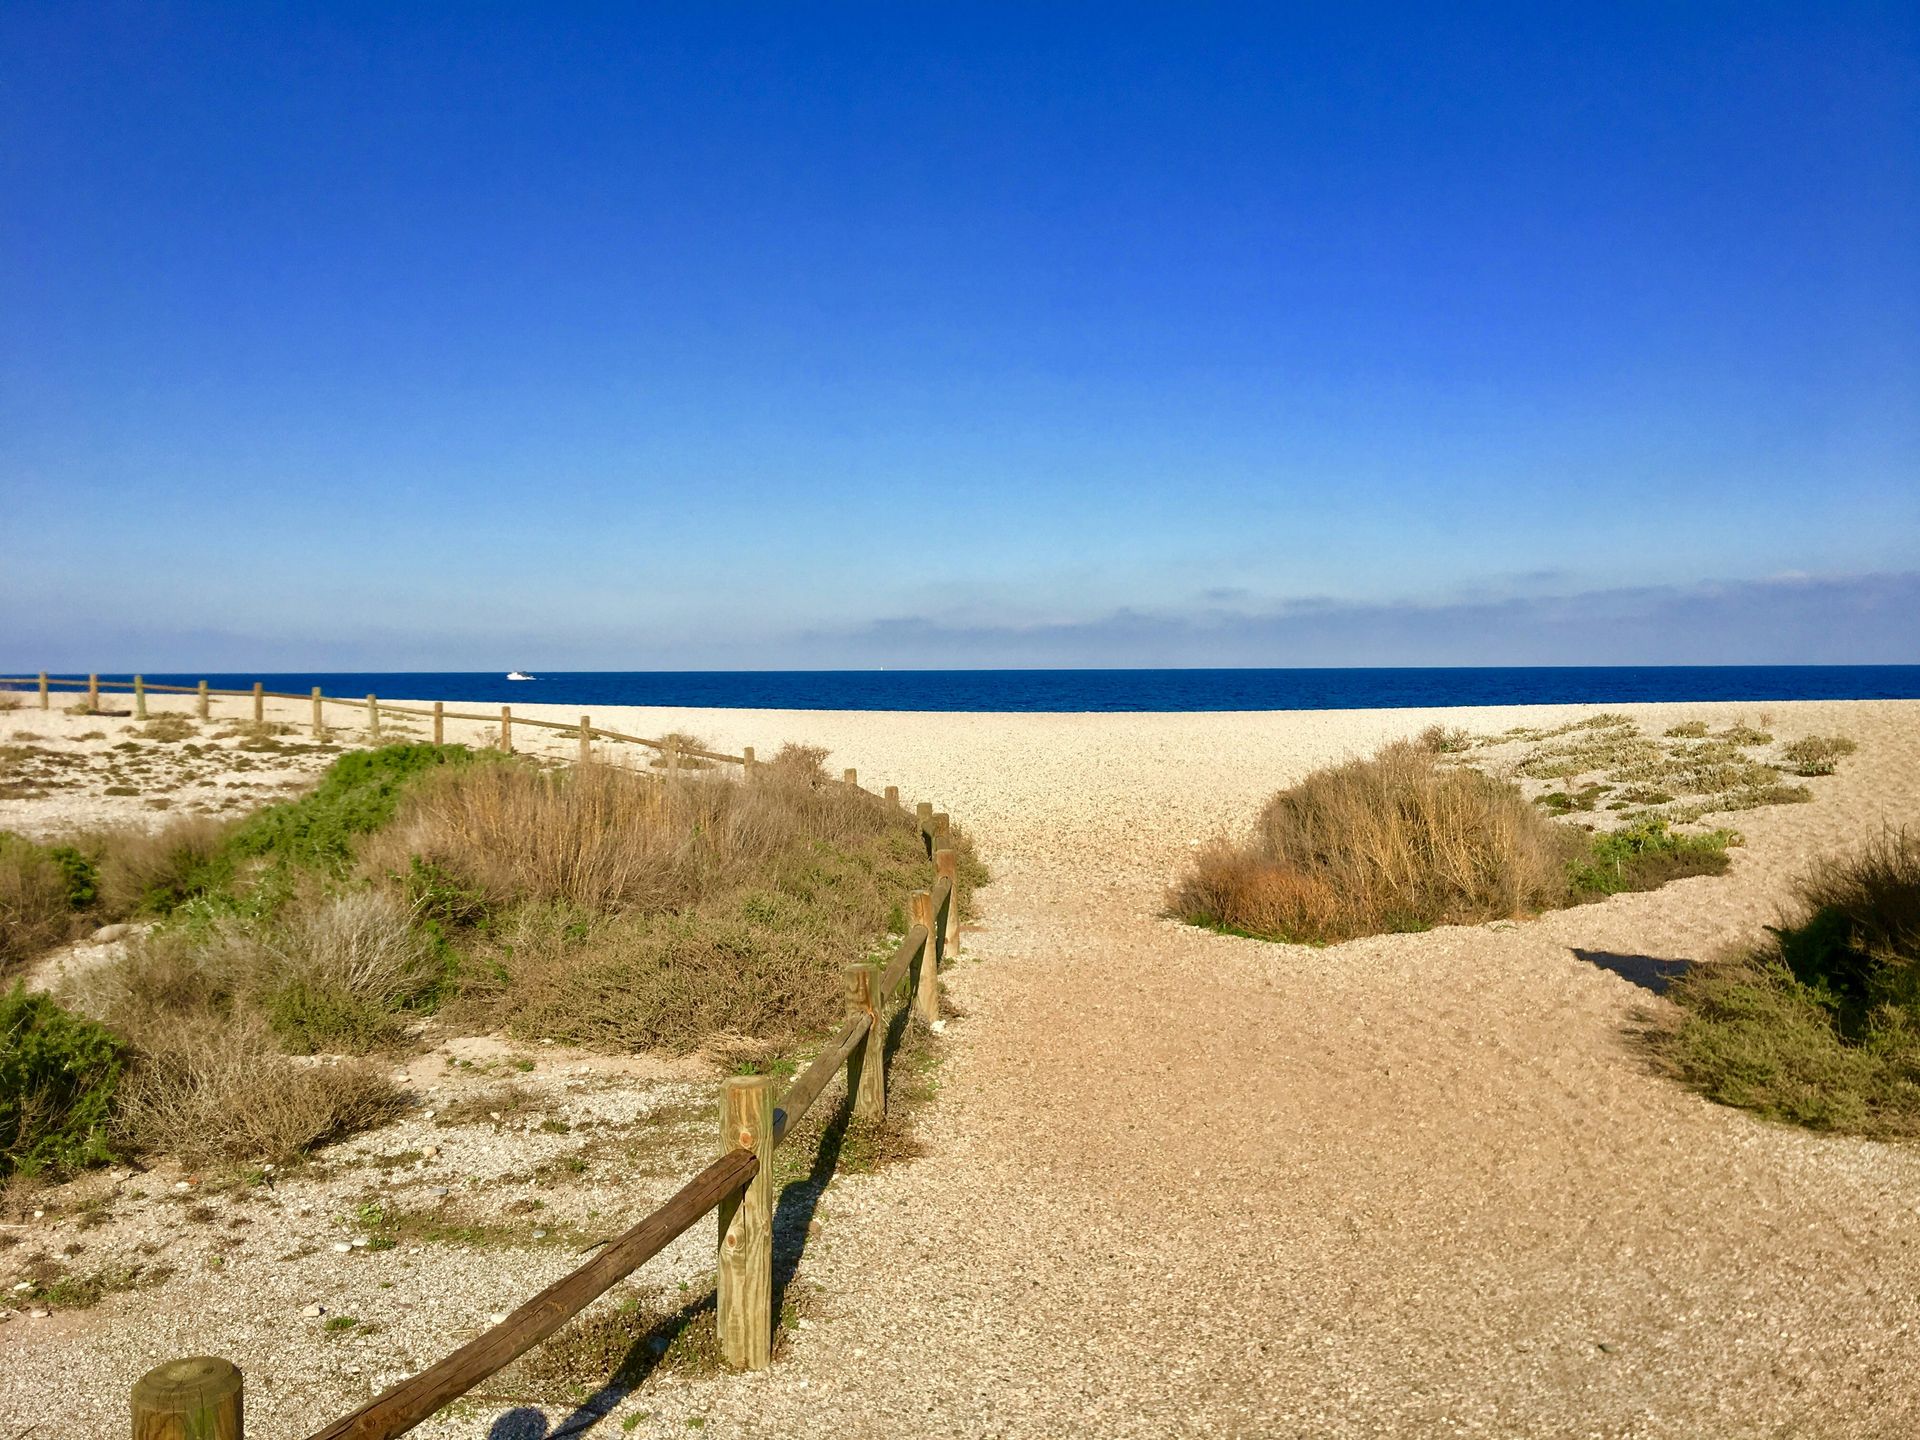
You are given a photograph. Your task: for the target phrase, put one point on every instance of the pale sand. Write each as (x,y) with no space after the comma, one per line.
(1411,1185)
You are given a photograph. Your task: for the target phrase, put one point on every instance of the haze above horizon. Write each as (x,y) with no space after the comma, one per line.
(703,337)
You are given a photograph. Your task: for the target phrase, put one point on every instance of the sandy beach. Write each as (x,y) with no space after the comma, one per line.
(1181,1183)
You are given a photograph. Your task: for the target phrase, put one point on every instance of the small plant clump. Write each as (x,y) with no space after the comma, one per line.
(1818,1025)
(1817,754)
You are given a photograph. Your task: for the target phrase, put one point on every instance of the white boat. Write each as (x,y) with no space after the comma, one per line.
(516,675)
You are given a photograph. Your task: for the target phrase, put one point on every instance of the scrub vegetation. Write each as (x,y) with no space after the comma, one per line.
(1819,1023)
(421,884)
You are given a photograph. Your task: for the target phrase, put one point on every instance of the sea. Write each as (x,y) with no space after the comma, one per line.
(1083,691)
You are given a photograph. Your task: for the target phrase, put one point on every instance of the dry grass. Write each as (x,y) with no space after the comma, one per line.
(600,907)
(36,908)
(1392,843)
(143,870)
(331,972)
(224,1093)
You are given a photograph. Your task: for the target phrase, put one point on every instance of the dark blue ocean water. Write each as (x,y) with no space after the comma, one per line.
(1089,690)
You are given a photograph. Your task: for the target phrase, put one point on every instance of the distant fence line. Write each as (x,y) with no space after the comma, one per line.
(375,707)
(201,1397)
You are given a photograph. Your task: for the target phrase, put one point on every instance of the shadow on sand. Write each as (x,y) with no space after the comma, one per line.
(1646,971)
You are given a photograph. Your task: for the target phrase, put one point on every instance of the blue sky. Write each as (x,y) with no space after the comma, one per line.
(619,337)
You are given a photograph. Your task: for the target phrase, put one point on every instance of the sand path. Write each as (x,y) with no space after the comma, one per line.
(1416,1185)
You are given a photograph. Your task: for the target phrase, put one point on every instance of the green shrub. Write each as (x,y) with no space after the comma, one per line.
(1644,856)
(58,1074)
(1820,1024)
(356,796)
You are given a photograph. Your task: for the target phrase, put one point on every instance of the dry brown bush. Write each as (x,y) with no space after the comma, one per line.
(205,1093)
(1396,842)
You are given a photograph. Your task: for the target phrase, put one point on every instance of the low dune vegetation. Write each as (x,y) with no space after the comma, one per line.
(1403,841)
(426,885)
(1818,1024)
(1451,828)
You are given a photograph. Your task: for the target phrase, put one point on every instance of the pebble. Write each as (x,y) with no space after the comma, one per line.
(496,1317)
(359,1242)
(431,1151)
(341,1247)
(107,934)
(428,1114)
(314,1312)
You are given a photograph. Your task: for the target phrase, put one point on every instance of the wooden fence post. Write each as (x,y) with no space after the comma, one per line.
(924,813)
(867,1062)
(743,1300)
(926,994)
(673,759)
(439,722)
(202,703)
(197,1398)
(319,722)
(93,694)
(941,824)
(506,730)
(373,718)
(44,701)
(893,794)
(946,864)
(852,777)
(586,739)
(259,703)
(746,762)
(139,698)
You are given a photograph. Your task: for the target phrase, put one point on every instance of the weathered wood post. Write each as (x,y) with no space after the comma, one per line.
(946,864)
(893,794)
(45,701)
(196,1398)
(373,718)
(926,993)
(924,813)
(867,1061)
(941,824)
(743,1304)
(506,730)
(673,759)
(439,722)
(139,697)
(93,693)
(259,703)
(746,762)
(852,777)
(319,720)
(586,739)
(202,702)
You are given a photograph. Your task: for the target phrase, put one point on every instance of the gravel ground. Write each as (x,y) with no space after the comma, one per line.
(1178,1183)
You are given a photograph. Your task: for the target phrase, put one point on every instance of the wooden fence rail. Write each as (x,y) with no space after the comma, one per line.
(202,1397)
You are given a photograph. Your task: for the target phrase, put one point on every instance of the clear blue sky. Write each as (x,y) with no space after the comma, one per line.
(706,334)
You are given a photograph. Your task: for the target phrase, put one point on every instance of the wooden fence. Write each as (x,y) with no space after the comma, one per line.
(373,706)
(202,1397)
